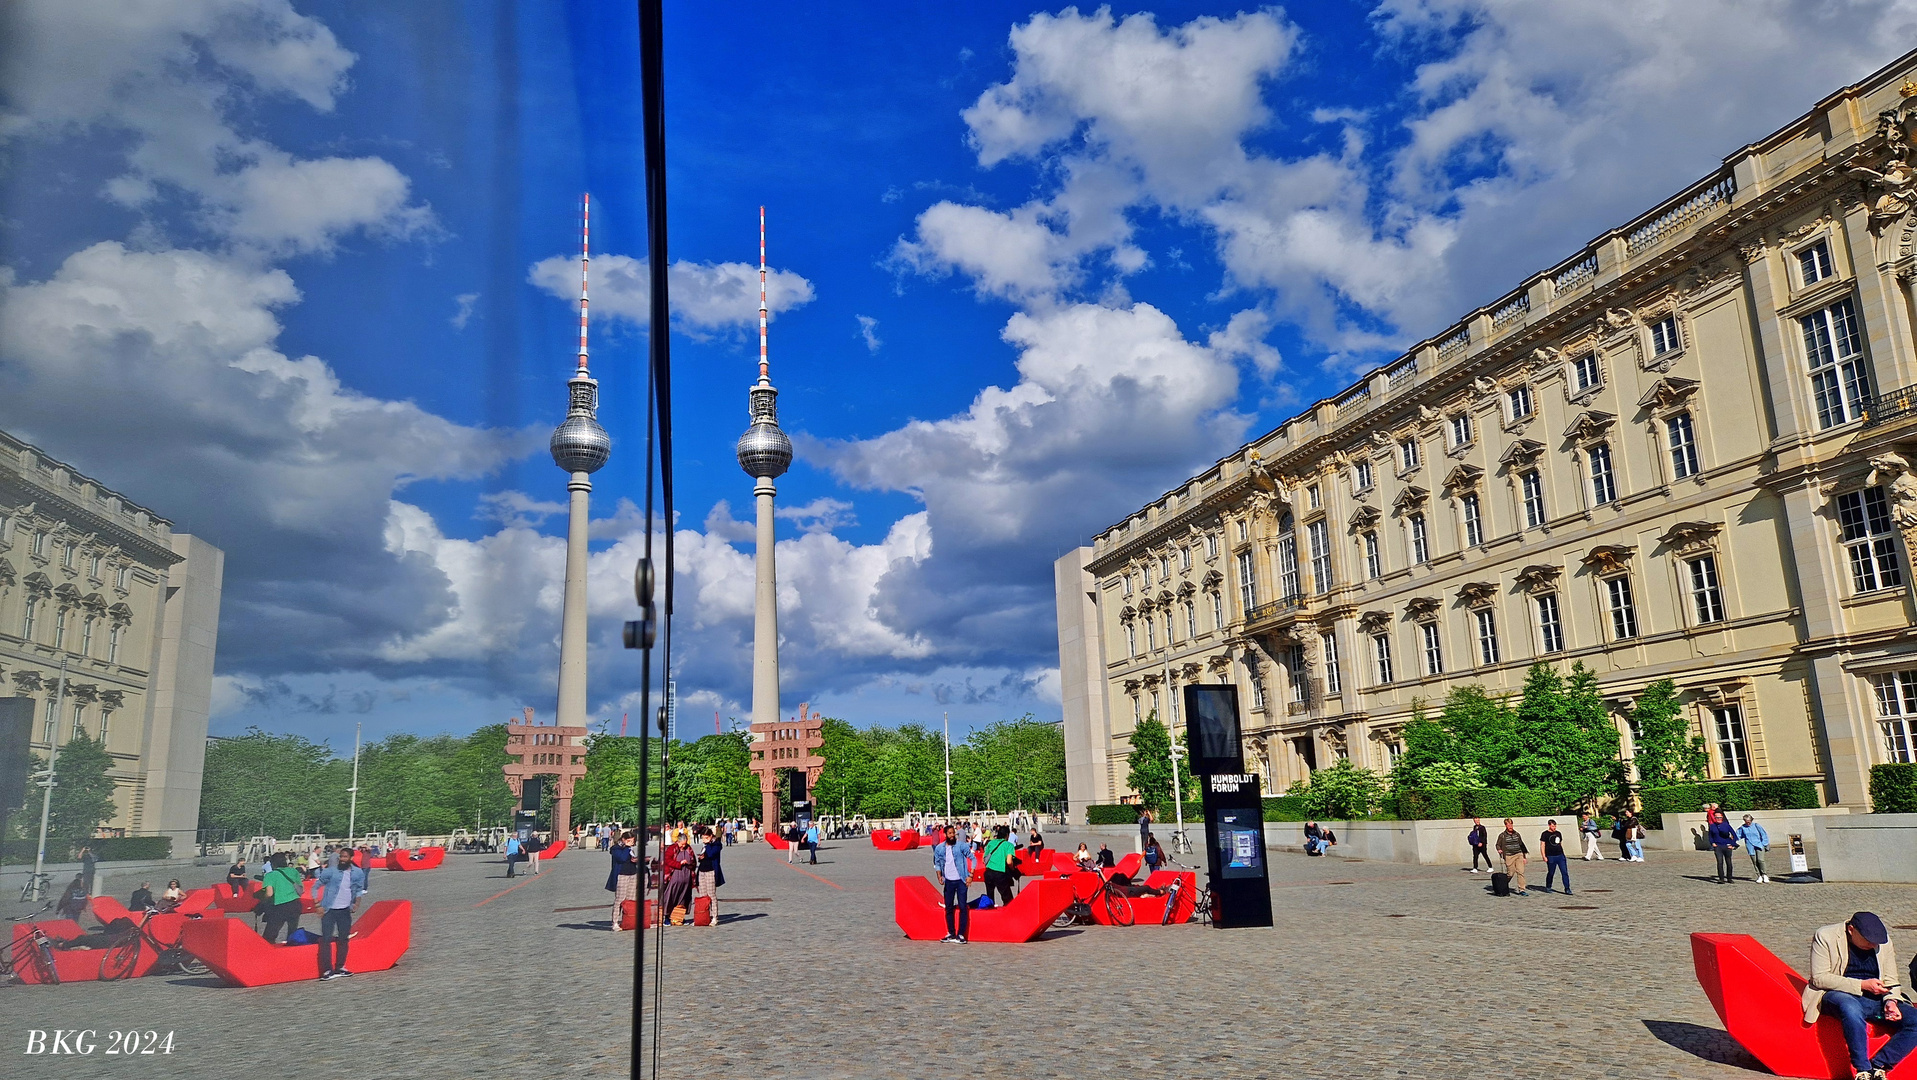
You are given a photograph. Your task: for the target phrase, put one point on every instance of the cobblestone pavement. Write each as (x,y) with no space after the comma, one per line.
(1373,970)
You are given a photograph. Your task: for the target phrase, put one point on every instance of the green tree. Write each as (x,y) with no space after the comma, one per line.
(1343,791)
(82,791)
(850,768)
(258,784)
(1450,776)
(727,785)
(1151,771)
(1012,763)
(1668,752)
(1570,745)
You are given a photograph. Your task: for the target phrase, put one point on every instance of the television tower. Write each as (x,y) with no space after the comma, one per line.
(580,447)
(764,453)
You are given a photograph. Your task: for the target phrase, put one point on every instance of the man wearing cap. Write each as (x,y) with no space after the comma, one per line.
(1853,976)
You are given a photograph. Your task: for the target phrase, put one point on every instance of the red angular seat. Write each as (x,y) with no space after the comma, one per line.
(164,927)
(425,858)
(241,957)
(779,843)
(907,840)
(1760,1000)
(553,850)
(75,965)
(224,900)
(196,901)
(920,911)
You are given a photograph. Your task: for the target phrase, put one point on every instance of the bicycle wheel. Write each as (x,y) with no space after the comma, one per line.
(1119,908)
(119,961)
(1067,917)
(43,964)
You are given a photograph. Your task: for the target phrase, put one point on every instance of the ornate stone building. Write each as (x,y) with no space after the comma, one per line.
(133,608)
(1685,452)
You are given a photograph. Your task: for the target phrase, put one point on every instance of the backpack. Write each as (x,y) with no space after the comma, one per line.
(302,936)
(1500,884)
(982,903)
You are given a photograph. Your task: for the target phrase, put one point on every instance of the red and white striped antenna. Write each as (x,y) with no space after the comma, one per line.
(585,260)
(764,370)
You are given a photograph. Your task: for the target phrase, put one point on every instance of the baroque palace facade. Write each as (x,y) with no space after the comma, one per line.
(133,608)
(1687,452)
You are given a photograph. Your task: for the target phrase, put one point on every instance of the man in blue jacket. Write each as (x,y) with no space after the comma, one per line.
(952,865)
(1756,843)
(337,889)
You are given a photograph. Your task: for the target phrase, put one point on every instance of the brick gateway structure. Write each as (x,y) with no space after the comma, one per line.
(789,744)
(546,750)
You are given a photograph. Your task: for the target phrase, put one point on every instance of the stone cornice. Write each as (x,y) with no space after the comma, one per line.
(1209,506)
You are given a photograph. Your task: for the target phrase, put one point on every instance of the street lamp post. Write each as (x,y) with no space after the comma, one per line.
(47,785)
(352,793)
(948,767)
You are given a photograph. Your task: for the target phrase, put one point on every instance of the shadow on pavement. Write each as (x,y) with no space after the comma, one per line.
(1708,1043)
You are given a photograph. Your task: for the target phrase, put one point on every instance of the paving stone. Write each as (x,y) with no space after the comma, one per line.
(1409,971)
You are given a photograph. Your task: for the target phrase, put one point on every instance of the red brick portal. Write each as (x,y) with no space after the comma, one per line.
(546,750)
(791,744)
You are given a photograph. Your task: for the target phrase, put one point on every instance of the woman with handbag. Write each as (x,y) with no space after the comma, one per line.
(998,871)
(280,893)
(623,881)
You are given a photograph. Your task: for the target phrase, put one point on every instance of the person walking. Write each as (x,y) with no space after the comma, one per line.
(792,837)
(1588,832)
(88,862)
(998,854)
(1154,855)
(512,854)
(710,876)
(1480,839)
(1144,828)
(1853,976)
(1724,845)
(812,841)
(732,831)
(531,848)
(622,879)
(283,884)
(950,859)
(1551,842)
(338,889)
(1756,842)
(1511,847)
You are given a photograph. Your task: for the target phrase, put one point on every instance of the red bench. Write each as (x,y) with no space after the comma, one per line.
(1760,1000)
(919,910)
(163,926)
(908,839)
(425,858)
(629,912)
(779,843)
(241,957)
(72,965)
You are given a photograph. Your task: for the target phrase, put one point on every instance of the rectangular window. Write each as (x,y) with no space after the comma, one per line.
(1864,517)
(1683,438)
(1461,429)
(1897,714)
(106,720)
(1131,639)
(51,729)
(1603,480)
(1706,598)
(1287,567)
(1664,337)
(1184,557)
(79,711)
(113,644)
(1257,690)
(1362,476)
(27,619)
(1191,619)
(1585,372)
(1320,536)
(1315,497)
(60,628)
(1518,400)
(86,637)
(1211,545)
(1334,680)
(1623,609)
(1128,584)
(66,555)
(1170,638)
(1532,486)
(1550,625)
(1247,585)
(1473,521)
(1374,565)
(1217,611)
(39,543)
(1381,657)
(1164,568)
(1146,574)
(1834,351)
(1813,264)
(1244,531)
(1296,674)
(1408,453)
(1433,655)
(120,577)
(1151,634)
(1420,541)
(1732,752)
(1487,636)
(93,566)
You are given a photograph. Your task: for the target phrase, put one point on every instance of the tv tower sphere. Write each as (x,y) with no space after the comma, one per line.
(764,450)
(579,444)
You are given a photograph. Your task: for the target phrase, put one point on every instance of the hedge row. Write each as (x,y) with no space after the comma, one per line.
(1127,814)
(1729,794)
(1286,808)
(1893,789)
(106,849)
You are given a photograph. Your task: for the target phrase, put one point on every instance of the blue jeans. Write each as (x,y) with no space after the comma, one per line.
(1315,846)
(1634,849)
(957,908)
(1854,1013)
(335,925)
(1553,866)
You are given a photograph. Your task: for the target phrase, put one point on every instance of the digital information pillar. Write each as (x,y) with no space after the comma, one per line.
(1234,808)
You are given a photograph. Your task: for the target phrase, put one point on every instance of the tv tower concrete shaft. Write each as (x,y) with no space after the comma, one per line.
(764,453)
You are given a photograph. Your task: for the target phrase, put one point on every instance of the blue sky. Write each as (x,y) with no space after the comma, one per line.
(296,275)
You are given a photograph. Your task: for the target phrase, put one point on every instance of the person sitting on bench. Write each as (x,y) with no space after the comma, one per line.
(1853,976)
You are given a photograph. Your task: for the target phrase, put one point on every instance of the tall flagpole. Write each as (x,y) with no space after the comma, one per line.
(47,785)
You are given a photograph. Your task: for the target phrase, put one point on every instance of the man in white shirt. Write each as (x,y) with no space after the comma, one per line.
(952,863)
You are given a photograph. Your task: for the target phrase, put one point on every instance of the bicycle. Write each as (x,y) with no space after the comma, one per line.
(37,887)
(1116,905)
(173,959)
(1204,908)
(38,958)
